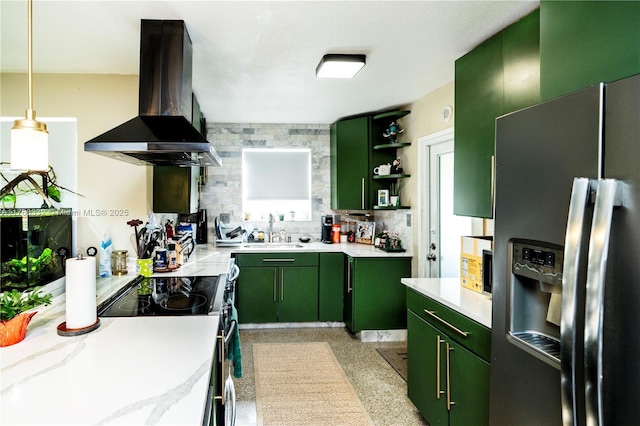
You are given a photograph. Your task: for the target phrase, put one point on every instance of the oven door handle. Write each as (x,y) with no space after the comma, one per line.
(229,333)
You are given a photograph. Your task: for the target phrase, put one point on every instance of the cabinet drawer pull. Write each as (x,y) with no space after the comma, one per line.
(449,401)
(453,327)
(439,392)
(275,281)
(362,194)
(282,285)
(278,260)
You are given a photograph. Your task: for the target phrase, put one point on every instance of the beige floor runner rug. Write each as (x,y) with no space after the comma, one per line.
(303,384)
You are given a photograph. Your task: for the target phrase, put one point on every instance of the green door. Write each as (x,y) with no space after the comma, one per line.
(330,291)
(349,312)
(469,376)
(379,298)
(298,294)
(350,174)
(426,384)
(257,295)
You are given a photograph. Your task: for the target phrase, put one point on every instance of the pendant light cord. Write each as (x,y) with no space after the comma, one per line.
(30,61)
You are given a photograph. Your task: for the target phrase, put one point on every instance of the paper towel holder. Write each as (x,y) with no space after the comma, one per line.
(69,332)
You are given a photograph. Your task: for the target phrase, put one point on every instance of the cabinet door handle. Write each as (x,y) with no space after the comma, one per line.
(281,285)
(362,194)
(449,401)
(278,260)
(349,287)
(453,327)
(439,392)
(275,288)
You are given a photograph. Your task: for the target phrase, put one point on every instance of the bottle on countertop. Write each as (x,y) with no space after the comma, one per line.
(169,229)
(172,257)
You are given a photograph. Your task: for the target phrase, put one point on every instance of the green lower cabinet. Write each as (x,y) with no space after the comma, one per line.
(374,297)
(298,294)
(257,295)
(278,287)
(447,383)
(331,281)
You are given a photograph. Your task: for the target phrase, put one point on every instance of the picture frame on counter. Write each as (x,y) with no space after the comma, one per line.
(383,197)
(365,232)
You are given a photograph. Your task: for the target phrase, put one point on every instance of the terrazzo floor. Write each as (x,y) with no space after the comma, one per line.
(380,388)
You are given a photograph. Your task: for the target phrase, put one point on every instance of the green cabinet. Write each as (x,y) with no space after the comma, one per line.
(278,287)
(586,42)
(331,282)
(499,76)
(175,189)
(349,154)
(374,298)
(357,147)
(384,151)
(447,361)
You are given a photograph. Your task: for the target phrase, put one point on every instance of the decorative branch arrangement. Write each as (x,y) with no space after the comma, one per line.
(50,189)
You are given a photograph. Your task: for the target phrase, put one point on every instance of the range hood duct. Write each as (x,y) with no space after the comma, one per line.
(162,134)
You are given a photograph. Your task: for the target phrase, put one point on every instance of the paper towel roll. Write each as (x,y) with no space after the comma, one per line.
(81,292)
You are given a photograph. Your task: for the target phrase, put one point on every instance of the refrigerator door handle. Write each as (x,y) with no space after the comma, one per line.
(580,194)
(608,196)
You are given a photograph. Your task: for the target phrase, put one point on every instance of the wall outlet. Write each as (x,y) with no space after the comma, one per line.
(409,220)
(225,217)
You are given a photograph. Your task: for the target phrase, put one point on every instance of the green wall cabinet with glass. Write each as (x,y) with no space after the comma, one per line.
(374,298)
(501,75)
(448,363)
(349,153)
(277,287)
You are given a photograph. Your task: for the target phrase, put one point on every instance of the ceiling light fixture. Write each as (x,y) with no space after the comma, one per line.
(335,65)
(29,137)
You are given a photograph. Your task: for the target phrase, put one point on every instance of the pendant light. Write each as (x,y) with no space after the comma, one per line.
(29,137)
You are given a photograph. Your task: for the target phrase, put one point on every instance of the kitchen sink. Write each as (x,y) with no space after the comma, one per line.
(272,246)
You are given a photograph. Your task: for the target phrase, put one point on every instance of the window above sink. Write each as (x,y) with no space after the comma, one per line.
(277,181)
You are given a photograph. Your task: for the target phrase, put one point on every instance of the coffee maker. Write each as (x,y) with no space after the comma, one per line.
(326,222)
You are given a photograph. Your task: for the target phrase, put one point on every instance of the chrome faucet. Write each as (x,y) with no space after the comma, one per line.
(270,229)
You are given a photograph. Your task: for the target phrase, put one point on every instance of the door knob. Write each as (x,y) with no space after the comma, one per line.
(431,256)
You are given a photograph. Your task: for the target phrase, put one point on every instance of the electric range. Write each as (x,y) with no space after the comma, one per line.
(165,296)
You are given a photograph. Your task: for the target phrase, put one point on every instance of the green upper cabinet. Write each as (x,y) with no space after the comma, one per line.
(350,183)
(499,76)
(585,42)
(175,189)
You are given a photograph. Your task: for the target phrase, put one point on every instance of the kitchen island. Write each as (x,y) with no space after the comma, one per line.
(140,370)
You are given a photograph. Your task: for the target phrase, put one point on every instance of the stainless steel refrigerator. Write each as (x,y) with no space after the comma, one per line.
(566,291)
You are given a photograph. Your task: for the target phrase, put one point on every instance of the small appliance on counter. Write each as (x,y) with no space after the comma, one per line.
(326,229)
(201,230)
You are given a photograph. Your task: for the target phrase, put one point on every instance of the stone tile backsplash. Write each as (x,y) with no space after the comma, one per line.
(223,191)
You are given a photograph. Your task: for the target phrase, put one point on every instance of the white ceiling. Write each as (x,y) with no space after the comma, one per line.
(255,61)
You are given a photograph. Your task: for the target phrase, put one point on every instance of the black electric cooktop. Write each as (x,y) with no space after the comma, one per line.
(159,296)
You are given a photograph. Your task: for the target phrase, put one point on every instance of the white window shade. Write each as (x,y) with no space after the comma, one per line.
(276,174)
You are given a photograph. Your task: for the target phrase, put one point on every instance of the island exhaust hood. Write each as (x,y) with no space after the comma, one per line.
(162,134)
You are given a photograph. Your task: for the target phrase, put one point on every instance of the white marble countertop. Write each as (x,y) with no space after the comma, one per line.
(449,292)
(143,370)
(350,249)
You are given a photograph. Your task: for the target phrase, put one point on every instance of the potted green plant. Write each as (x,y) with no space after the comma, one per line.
(15,315)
